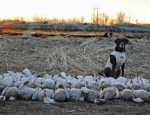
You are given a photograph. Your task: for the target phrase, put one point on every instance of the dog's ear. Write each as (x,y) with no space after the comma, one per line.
(126,40)
(117,40)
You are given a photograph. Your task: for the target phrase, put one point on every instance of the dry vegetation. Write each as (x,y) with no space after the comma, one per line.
(101,18)
(74,55)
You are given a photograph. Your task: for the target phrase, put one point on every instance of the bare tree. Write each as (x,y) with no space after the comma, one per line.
(137,21)
(103,18)
(82,19)
(129,19)
(112,21)
(120,17)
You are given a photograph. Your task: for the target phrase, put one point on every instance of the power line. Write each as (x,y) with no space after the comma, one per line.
(95,9)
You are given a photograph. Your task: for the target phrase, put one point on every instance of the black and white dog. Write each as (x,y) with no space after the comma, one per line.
(117,59)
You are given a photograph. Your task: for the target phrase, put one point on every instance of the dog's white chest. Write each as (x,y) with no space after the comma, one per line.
(120,59)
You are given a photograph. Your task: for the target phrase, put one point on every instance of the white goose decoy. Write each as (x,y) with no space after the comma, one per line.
(13,75)
(25,92)
(36,94)
(100,93)
(27,72)
(9,80)
(1,77)
(122,79)
(78,85)
(6,75)
(128,94)
(61,94)
(2,98)
(92,96)
(143,94)
(47,99)
(93,85)
(57,76)
(76,95)
(46,75)
(18,84)
(104,80)
(88,79)
(49,85)
(49,93)
(105,85)
(34,84)
(10,92)
(58,82)
(3,85)
(85,92)
(147,86)
(135,85)
(74,80)
(111,79)
(100,101)
(66,76)
(110,93)
(24,78)
(120,86)
(80,78)
(18,76)
(47,79)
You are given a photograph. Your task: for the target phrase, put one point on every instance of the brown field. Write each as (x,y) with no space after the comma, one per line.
(76,56)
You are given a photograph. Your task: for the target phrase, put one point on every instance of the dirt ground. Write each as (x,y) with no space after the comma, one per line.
(76,56)
(113,107)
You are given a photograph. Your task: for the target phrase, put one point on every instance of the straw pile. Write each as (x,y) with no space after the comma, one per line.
(76,56)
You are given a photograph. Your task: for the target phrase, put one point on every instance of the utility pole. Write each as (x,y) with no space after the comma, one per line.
(95,9)
(97,14)
(93,15)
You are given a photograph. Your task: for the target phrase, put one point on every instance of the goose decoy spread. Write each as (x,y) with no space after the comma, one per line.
(64,87)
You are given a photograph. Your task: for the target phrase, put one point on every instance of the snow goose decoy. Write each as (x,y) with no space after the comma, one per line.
(9,80)
(10,93)
(3,85)
(2,98)
(61,94)
(66,76)
(92,96)
(36,94)
(47,99)
(128,94)
(142,94)
(110,93)
(27,72)
(25,92)
(76,95)
(88,79)
(122,79)
(93,85)
(80,78)
(78,85)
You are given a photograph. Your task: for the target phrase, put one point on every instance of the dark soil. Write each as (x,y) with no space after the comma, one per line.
(113,107)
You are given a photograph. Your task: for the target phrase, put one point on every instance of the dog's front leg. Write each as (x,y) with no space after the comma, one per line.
(113,62)
(122,69)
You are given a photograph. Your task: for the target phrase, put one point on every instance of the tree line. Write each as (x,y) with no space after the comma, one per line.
(101,18)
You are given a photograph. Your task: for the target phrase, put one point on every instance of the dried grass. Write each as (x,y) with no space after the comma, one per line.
(74,55)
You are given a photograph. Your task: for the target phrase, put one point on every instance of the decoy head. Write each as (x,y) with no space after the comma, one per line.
(2,98)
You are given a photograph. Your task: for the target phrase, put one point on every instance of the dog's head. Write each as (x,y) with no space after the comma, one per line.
(120,44)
